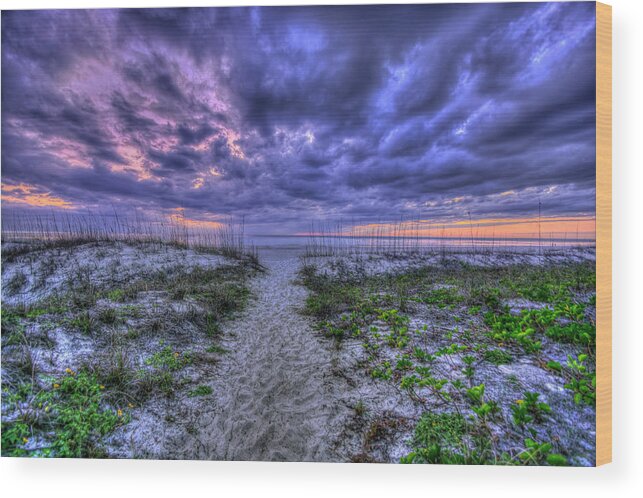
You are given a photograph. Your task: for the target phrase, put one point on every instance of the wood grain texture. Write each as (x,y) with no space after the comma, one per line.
(603,233)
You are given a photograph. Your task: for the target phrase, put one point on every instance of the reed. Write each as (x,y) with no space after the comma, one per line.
(403,238)
(70,229)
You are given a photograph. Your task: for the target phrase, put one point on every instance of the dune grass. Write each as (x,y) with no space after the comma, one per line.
(70,230)
(402,238)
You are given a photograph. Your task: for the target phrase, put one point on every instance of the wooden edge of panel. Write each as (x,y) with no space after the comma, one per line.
(603,233)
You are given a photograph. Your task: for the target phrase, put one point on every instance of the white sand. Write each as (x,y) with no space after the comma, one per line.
(51,271)
(281,393)
(274,395)
(380,264)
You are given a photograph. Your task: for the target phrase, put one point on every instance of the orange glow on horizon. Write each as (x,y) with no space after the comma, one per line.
(192,223)
(27,194)
(572,227)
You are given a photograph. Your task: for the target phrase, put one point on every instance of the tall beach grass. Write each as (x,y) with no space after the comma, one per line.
(68,229)
(405,238)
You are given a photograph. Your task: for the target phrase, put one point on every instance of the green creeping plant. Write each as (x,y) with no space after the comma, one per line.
(521,329)
(408,382)
(451,349)
(422,330)
(72,419)
(520,414)
(329,330)
(167,359)
(79,415)
(15,435)
(529,409)
(202,390)
(442,297)
(555,366)
(476,394)
(505,327)
(474,310)
(486,409)
(537,408)
(404,363)
(487,296)
(574,333)
(573,311)
(440,438)
(583,381)
(383,371)
(425,379)
(556,460)
(468,369)
(421,355)
(398,338)
(457,384)
(543,293)
(117,295)
(536,453)
(497,356)
(449,438)
(551,285)
(393,318)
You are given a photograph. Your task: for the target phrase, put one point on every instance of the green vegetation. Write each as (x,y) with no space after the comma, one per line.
(163,366)
(582,381)
(68,420)
(574,333)
(439,438)
(468,327)
(360,408)
(497,356)
(200,391)
(117,295)
(529,409)
(442,297)
(523,329)
(108,316)
(450,438)
(168,360)
(70,414)
(83,322)
(538,454)
(215,348)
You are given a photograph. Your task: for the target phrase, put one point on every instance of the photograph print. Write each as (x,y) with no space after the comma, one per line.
(317,233)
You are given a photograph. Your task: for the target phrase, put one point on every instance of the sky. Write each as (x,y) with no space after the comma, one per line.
(285,116)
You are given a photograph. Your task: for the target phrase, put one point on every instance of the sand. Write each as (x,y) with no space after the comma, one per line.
(275,393)
(281,392)
(51,270)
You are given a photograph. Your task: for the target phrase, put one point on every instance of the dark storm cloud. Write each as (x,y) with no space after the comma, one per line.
(191,136)
(280,114)
(127,114)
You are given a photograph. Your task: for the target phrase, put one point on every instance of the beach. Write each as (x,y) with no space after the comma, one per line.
(289,357)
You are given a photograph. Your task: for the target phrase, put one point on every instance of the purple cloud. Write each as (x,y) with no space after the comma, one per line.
(288,115)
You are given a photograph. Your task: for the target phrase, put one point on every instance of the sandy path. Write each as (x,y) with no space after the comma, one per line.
(275,394)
